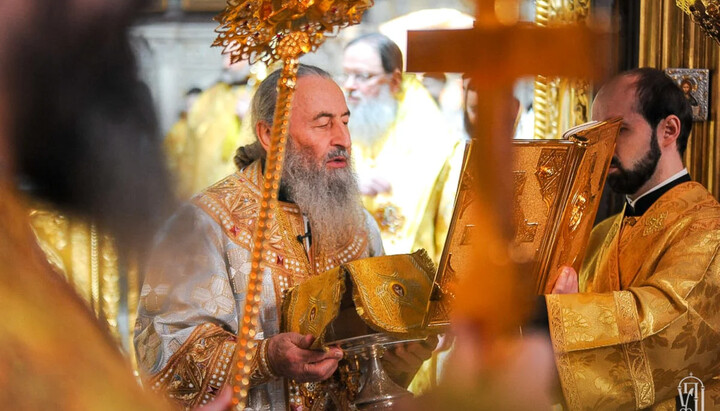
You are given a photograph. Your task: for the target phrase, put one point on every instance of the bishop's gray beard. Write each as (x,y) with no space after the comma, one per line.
(330,198)
(372,117)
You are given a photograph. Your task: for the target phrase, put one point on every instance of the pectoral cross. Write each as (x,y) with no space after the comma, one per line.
(495,55)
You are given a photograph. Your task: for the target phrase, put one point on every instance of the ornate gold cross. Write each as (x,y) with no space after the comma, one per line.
(495,55)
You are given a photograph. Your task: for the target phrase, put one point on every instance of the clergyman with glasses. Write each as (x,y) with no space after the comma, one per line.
(401,146)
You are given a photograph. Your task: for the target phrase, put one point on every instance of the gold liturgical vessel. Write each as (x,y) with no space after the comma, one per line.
(365,307)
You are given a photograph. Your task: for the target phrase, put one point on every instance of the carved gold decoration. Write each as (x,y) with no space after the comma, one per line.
(271,31)
(572,216)
(456,248)
(550,167)
(705,13)
(669,38)
(253,29)
(561,200)
(559,103)
(524,231)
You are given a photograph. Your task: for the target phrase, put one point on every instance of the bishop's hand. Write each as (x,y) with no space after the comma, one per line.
(567,282)
(403,361)
(289,356)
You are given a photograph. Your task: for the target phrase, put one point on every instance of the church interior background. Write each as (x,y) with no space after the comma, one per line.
(173,41)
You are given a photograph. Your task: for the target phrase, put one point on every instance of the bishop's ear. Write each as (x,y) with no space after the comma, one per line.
(263,132)
(668,131)
(396,81)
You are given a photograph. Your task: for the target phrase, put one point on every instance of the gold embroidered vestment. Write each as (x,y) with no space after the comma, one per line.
(649,309)
(196,285)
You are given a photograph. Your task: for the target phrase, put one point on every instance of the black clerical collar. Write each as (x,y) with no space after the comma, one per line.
(642,204)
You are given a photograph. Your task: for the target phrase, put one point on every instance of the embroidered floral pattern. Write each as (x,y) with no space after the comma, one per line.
(215,297)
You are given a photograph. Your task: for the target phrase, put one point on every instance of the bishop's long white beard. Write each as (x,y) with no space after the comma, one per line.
(330,198)
(372,117)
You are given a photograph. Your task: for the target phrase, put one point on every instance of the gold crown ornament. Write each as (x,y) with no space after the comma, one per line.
(254,29)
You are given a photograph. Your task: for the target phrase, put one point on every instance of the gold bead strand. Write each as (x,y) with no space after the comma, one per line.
(269,193)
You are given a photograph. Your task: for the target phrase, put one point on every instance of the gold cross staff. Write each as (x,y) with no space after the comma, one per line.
(493,293)
(272,31)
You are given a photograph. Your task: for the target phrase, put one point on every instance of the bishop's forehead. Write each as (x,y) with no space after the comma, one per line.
(315,92)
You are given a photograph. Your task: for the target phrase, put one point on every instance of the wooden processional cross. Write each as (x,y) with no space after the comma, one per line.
(494,55)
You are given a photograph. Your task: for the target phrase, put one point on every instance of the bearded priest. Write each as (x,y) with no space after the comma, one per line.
(198,273)
(647,312)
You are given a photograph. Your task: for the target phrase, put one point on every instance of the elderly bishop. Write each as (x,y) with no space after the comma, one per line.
(198,273)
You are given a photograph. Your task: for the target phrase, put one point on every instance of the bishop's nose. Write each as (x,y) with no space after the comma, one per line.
(350,83)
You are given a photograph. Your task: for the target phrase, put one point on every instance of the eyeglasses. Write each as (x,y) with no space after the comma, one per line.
(358,77)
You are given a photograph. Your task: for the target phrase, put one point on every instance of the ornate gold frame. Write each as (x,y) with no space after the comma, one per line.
(559,103)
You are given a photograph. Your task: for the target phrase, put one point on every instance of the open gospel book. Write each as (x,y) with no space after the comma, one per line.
(557,189)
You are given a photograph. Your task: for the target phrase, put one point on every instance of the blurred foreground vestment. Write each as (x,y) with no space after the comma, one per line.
(54,352)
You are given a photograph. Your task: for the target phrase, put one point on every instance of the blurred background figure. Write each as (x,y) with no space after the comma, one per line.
(176,139)
(201,145)
(401,145)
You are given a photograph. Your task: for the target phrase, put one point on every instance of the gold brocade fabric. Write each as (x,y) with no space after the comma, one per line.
(89,261)
(649,311)
(201,145)
(54,354)
(390,294)
(198,275)
(310,307)
(414,157)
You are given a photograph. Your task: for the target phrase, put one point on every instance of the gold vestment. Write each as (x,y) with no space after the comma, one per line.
(201,145)
(54,353)
(648,313)
(413,157)
(197,281)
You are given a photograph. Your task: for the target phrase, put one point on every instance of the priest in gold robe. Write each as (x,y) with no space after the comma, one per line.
(402,146)
(201,144)
(196,284)
(647,312)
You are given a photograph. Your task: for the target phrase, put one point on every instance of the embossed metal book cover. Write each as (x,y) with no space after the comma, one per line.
(557,189)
